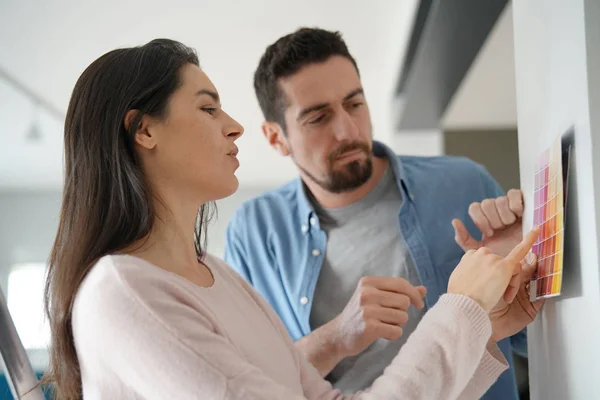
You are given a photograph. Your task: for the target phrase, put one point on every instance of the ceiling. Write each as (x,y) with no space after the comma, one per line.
(486,99)
(46,47)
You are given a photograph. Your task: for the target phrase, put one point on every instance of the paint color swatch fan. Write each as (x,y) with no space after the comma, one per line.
(549,214)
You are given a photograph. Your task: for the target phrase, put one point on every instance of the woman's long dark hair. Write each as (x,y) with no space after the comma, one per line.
(106,204)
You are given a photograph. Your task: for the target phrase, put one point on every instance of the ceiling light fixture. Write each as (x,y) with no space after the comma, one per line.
(34,133)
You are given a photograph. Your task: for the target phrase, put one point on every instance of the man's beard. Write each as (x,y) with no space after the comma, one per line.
(348,177)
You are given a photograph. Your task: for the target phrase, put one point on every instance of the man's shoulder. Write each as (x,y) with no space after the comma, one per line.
(454,164)
(443,170)
(456,180)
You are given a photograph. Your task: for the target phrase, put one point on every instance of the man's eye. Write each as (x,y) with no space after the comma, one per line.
(317,120)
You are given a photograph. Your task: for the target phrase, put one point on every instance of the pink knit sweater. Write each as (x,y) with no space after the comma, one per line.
(144,333)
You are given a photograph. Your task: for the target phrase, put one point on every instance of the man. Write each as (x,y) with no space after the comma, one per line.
(343,251)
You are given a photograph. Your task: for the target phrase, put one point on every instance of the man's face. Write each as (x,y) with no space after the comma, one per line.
(328,124)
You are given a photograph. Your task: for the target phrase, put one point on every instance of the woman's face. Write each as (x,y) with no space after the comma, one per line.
(191,151)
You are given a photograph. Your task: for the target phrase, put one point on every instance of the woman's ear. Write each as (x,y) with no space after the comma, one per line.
(142,135)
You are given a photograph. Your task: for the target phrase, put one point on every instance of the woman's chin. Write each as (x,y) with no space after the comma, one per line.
(226,188)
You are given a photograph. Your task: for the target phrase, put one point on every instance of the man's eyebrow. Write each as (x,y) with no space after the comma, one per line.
(353,93)
(317,107)
(310,109)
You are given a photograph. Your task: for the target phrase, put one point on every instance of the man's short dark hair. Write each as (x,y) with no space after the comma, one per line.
(287,56)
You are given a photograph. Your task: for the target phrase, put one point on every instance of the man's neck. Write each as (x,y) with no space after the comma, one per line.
(335,200)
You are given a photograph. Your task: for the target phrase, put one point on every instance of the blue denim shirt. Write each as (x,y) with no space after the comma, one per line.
(274,241)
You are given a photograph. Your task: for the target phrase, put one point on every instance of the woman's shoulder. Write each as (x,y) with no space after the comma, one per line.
(121,270)
(115,281)
(122,278)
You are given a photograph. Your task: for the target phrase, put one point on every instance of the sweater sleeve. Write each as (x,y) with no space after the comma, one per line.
(446,357)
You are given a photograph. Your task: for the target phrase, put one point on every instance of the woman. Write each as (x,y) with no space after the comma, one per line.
(138,310)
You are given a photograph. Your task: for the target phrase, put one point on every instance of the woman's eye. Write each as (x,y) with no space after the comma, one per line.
(210,110)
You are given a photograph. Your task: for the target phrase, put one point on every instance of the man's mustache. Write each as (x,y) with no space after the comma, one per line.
(345,148)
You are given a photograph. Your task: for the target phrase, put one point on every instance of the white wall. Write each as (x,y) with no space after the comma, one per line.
(426,142)
(557,87)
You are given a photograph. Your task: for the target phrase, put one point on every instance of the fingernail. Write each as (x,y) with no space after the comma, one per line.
(530,259)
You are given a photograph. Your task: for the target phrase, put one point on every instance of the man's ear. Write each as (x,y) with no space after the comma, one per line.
(143,135)
(276,138)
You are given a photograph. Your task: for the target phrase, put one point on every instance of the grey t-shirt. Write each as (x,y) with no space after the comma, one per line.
(363,239)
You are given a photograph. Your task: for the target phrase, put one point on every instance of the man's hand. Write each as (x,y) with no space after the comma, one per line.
(498,219)
(376,310)
(515,311)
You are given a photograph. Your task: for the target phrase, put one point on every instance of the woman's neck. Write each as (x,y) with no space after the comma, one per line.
(170,244)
